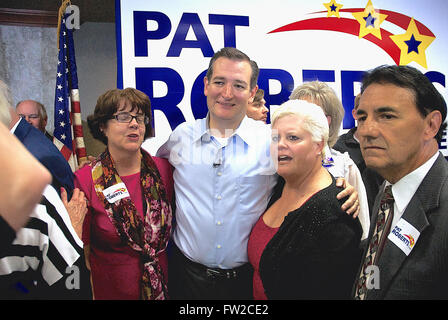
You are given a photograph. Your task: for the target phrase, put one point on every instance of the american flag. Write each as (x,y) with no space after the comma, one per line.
(68,134)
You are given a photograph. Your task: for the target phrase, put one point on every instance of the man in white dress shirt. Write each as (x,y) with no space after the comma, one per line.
(401,119)
(223,178)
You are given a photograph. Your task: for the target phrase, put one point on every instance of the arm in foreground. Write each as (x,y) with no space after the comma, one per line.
(22,180)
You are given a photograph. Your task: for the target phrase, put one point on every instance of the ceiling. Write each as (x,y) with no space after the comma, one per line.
(90,10)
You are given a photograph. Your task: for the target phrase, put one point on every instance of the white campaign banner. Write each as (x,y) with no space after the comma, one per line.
(164,48)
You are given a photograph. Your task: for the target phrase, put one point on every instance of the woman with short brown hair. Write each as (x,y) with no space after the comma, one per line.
(127,227)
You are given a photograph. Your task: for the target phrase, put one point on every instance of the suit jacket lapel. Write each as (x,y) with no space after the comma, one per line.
(392,256)
(426,197)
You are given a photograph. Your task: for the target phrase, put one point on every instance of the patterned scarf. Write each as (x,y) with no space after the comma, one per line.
(149,235)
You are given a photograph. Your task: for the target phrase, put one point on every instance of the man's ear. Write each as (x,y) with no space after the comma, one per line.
(253,91)
(433,122)
(205,86)
(354,113)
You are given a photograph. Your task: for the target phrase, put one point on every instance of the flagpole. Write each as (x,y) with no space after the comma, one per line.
(61,11)
(68,133)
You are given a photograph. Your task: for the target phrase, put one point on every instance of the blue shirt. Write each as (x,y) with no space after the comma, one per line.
(221,190)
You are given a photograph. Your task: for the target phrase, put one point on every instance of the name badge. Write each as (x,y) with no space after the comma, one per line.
(116,192)
(404,236)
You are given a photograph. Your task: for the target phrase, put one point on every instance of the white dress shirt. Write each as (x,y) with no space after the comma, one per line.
(404,189)
(222,187)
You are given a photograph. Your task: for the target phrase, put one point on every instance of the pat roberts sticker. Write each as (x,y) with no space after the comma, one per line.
(404,236)
(116,192)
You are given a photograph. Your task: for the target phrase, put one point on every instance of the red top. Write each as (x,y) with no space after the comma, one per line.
(116,269)
(259,237)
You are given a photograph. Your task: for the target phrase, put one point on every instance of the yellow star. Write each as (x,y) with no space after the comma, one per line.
(412,45)
(369,21)
(333,8)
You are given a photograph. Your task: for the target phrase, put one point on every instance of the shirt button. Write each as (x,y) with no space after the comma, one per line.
(219,197)
(218,246)
(219,223)
(219,173)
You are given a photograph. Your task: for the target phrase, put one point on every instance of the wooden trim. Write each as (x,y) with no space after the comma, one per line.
(31,18)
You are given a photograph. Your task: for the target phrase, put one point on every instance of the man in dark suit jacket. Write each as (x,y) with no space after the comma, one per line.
(45,151)
(400,123)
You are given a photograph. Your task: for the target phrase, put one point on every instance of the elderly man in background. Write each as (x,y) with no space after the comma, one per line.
(35,114)
(43,149)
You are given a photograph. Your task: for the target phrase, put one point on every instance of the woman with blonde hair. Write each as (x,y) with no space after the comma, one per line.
(304,246)
(340,165)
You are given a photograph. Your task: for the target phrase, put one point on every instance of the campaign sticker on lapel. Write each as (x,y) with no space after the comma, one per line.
(116,192)
(404,236)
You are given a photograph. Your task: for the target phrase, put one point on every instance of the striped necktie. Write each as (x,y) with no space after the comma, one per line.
(382,228)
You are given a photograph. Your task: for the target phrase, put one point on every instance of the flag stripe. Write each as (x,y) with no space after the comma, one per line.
(68,132)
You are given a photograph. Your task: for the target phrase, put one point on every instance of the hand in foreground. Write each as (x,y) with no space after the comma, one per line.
(76,207)
(351,206)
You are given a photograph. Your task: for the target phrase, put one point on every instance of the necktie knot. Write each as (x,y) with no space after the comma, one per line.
(388,197)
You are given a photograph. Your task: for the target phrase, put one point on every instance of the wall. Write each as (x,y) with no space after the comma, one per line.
(28,59)
(96,60)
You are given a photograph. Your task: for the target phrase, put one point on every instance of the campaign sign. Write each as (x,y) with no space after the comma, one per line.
(164,48)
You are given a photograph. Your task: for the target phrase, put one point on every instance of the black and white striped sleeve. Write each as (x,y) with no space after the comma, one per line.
(48,244)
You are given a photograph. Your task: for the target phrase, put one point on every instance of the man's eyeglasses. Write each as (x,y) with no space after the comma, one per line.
(126,117)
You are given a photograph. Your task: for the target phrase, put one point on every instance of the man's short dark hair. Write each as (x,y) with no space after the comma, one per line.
(427,97)
(237,55)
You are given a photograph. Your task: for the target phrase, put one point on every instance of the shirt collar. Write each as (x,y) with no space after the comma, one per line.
(247,130)
(244,130)
(404,189)
(13,129)
(201,131)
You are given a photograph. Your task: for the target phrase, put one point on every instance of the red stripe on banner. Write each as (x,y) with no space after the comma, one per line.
(345,25)
(341,25)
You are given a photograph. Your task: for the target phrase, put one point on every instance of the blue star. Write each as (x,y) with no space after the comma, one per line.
(370,21)
(333,7)
(412,44)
